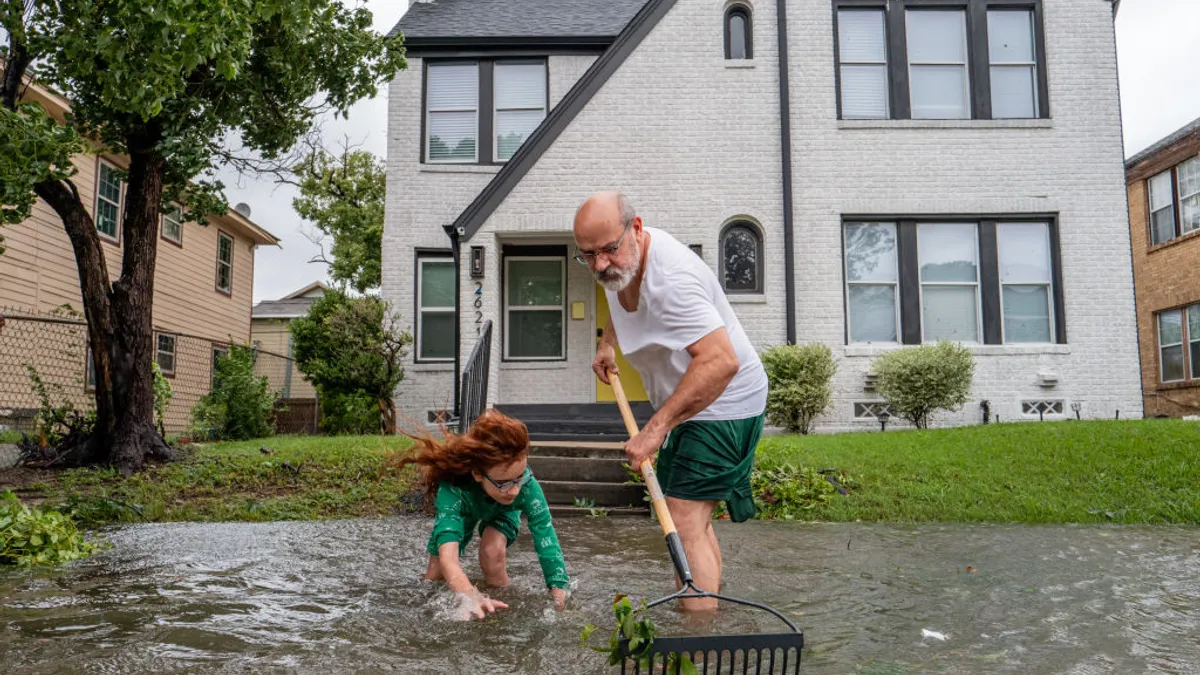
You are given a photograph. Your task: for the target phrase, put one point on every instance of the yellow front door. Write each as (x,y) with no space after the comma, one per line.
(630,380)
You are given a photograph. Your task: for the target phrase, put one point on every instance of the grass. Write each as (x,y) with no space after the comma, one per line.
(304,478)
(9,436)
(1145,471)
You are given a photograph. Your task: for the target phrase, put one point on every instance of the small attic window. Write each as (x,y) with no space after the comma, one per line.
(738,43)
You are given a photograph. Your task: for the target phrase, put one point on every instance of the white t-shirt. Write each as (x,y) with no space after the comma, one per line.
(681,301)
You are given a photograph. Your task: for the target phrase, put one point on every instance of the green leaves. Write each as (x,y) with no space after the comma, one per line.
(636,626)
(344,197)
(915,381)
(241,404)
(31,537)
(799,388)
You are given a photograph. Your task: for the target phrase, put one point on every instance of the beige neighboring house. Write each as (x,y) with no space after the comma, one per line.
(203,288)
(270,330)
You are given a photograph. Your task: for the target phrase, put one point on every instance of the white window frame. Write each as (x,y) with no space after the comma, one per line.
(221,263)
(1012,65)
(113,238)
(1190,341)
(895,284)
(429,113)
(497,110)
(1182,344)
(1048,284)
(422,309)
(174,214)
(965,64)
(1180,197)
(921,284)
(159,351)
(887,75)
(508,309)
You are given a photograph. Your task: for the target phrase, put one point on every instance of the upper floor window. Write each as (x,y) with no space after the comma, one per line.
(482,111)
(741,258)
(1174,198)
(172,225)
(1179,344)
(165,354)
(991,281)
(108,202)
(224,263)
(927,59)
(739,42)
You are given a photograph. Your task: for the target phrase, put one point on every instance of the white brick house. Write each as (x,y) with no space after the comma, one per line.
(950,168)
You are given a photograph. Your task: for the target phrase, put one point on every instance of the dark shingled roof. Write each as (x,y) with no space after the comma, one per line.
(516,18)
(1174,138)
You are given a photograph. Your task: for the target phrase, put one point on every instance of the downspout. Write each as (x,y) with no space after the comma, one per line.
(785,141)
(453,233)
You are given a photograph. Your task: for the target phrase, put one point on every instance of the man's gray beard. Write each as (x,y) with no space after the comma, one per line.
(624,277)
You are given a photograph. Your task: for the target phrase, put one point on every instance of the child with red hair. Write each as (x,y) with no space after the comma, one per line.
(482,479)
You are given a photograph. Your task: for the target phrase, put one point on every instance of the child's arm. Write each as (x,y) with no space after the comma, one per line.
(478,604)
(545,542)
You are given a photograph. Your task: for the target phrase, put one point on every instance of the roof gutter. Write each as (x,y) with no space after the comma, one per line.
(785,154)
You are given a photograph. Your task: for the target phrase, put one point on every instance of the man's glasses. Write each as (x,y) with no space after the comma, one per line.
(503,486)
(585,257)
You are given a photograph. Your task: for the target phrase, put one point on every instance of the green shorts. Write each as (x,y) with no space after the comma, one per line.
(507,523)
(711,461)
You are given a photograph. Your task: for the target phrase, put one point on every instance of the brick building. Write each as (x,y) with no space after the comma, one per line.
(963,183)
(1164,223)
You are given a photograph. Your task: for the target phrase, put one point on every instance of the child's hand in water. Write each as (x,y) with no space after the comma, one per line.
(476,605)
(560,598)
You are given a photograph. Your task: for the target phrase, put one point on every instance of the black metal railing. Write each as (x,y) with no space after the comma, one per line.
(475,380)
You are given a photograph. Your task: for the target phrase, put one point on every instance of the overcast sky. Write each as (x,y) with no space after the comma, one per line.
(1158,49)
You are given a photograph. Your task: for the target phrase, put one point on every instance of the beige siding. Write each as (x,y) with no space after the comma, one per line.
(38,273)
(271,335)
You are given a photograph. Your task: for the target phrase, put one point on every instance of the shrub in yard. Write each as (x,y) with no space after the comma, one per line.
(35,537)
(789,491)
(916,381)
(799,389)
(241,405)
(349,413)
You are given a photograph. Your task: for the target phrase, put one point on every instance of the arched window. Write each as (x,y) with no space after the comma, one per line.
(738,43)
(741,258)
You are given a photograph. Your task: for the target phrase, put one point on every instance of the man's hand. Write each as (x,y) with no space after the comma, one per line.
(476,605)
(560,598)
(643,446)
(605,361)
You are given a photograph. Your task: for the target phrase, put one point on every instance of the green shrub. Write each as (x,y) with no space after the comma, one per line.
(354,413)
(31,537)
(240,406)
(916,381)
(162,397)
(799,389)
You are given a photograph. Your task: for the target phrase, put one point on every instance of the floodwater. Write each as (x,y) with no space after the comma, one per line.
(346,597)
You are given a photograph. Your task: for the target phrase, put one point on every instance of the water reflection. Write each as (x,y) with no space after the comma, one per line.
(345,596)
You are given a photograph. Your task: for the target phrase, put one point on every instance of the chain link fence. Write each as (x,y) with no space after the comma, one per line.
(52,348)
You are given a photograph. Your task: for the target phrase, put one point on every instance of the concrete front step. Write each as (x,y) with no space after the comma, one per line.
(589,469)
(601,494)
(569,448)
(564,511)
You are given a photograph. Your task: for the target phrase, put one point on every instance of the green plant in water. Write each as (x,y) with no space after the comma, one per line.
(30,537)
(641,631)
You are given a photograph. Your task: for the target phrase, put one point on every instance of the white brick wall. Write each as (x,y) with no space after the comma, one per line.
(694,143)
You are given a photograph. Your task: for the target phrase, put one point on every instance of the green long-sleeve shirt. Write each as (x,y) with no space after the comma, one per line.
(461,507)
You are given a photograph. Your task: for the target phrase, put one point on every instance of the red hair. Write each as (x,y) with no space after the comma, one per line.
(494,439)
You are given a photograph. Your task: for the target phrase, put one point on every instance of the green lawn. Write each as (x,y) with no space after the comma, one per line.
(1145,471)
(303,478)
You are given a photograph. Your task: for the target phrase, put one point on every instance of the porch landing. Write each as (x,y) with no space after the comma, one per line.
(587,422)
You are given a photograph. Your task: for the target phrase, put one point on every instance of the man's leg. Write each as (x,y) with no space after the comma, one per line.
(693,520)
(493,557)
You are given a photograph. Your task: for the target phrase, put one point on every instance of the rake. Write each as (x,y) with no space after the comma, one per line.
(752,654)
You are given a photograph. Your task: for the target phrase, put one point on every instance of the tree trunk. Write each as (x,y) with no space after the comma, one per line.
(119,320)
(387,415)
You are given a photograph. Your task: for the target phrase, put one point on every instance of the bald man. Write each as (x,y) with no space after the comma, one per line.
(671,319)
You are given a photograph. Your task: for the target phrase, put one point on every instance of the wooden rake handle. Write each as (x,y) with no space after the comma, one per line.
(674,545)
